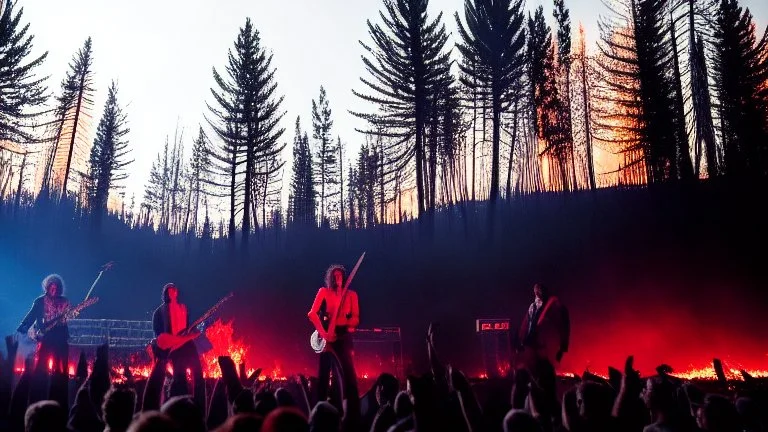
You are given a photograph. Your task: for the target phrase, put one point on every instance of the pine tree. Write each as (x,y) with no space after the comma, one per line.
(352,198)
(741,72)
(199,174)
(563,18)
(302,182)
(340,148)
(72,113)
(157,192)
(326,153)
(408,66)
(246,116)
(108,154)
(636,106)
(547,104)
(22,92)
(494,37)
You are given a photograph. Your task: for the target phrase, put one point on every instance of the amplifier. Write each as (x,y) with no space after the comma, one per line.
(496,348)
(378,350)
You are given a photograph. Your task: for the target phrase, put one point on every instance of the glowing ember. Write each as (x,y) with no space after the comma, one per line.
(708,373)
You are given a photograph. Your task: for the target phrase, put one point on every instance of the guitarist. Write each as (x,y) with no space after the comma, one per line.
(339,350)
(54,345)
(172,317)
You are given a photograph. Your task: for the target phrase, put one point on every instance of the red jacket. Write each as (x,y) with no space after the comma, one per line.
(551,331)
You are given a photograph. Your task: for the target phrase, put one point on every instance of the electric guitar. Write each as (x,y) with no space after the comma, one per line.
(37,334)
(167,342)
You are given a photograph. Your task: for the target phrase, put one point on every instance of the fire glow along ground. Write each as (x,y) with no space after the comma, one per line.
(221,336)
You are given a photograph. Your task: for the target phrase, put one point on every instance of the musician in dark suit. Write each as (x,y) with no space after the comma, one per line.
(172,317)
(339,350)
(54,345)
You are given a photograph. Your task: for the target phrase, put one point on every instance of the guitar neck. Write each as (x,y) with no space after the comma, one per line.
(206,315)
(335,316)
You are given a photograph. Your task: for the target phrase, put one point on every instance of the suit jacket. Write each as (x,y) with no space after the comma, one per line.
(40,314)
(551,329)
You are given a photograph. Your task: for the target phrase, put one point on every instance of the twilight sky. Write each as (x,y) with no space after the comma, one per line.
(161,53)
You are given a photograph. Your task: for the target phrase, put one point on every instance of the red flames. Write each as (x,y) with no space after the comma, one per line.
(221,335)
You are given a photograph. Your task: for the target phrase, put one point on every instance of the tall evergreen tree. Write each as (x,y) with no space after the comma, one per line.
(548,105)
(408,65)
(326,153)
(74,104)
(563,18)
(638,87)
(704,134)
(246,117)
(22,92)
(493,36)
(156,191)
(199,174)
(741,72)
(340,148)
(352,198)
(303,181)
(108,154)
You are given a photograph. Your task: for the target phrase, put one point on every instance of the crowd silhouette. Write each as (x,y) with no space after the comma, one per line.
(440,399)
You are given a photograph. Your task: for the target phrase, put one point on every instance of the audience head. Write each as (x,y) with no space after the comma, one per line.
(520,421)
(284,398)
(324,417)
(265,403)
(387,387)
(718,415)
(246,422)
(285,419)
(749,411)
(660,396)
(403,405)
(244,403)
(153,421)
(118,407)
(595,401)
(45,416)
(184,411)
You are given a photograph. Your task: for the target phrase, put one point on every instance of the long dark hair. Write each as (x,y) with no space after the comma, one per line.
(166,287)
(329,280)
(53,278)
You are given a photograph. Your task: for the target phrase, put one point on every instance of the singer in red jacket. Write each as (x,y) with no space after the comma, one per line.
(545,331)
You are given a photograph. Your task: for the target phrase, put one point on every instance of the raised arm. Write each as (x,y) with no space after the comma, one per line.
(314,318)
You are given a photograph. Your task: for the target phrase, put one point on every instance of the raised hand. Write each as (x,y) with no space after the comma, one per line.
(631,380)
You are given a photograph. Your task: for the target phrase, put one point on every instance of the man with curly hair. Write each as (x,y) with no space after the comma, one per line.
(339,351)
(54,345)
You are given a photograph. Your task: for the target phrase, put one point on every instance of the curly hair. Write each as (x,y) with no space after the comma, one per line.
(329,279)
(53,278)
